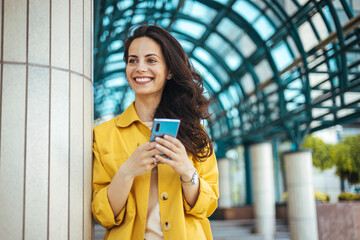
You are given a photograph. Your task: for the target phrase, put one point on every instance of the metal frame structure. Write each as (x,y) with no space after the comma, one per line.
(274,68)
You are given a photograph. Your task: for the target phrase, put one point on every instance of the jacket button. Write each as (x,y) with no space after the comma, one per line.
(167,226)
(164,196)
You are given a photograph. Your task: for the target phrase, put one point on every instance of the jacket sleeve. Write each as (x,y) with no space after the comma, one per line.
(208,190)
(100,205)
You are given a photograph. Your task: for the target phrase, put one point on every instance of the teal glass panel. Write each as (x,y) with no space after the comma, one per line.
(229,29)
(263,71)
(264,27)
(137,19)
(187,46)
(221,73)
(116,82)
(106,21)
(115,45)
(190,28)
(233,59)
(234,94)
(224,101)
(115,57)
(215,42)
(245,45)
(282,56)
(246,10)
(247,83)
(204,56)
(206,75)
(114,66)
(199,11)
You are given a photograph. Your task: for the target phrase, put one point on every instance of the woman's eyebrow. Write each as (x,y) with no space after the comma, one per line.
(147,55)
(151,55)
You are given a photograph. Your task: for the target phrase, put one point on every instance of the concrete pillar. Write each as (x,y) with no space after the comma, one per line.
(264,189)
(301,200)
(224,183)
(45,119)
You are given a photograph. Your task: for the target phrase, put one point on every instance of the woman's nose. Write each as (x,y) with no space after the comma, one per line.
(141,67)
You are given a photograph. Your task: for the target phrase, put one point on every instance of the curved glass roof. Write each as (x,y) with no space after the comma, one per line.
(273,67)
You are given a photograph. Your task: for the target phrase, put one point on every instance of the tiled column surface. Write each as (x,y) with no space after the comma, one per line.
(45,119)
(301,201)
(224,182)
(264,189)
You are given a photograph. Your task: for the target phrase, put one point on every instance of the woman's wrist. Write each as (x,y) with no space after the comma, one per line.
(125,174)
(187,177)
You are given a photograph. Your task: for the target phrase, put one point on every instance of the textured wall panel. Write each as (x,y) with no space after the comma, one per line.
(37,154)
(15,30)
(76,36)
(60,33)
(12,152)
(39,31)
(1,15)
(88,122)
(76,157)
(87,38)
(59,155)
(46,120)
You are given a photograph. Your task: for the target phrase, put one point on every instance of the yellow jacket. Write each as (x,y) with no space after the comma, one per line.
(114,142)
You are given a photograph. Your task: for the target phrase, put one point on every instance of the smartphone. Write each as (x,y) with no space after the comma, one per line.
(164,126)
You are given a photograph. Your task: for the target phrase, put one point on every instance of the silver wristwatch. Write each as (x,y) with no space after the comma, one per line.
(194,180)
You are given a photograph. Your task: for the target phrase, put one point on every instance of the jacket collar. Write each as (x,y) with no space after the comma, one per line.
(127,117)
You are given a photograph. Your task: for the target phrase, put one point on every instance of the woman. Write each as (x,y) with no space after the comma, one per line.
(137,193)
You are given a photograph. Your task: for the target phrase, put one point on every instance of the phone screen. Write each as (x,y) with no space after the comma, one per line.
(164,126)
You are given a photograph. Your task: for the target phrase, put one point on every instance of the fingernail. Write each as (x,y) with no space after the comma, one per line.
(166,136)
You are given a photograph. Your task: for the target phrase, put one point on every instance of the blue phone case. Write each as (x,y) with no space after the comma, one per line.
(164,126)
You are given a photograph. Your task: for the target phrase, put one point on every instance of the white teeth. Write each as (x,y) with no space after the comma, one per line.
(143,79)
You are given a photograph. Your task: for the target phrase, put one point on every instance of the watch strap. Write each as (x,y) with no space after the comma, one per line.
(193,180)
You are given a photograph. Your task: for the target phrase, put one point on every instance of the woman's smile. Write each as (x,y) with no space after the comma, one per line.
(143,80)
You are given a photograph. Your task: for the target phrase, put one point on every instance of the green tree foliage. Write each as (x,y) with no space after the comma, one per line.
(321,152)
(345,156)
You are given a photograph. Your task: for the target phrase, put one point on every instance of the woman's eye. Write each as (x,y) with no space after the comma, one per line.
(151,60)
(132,61)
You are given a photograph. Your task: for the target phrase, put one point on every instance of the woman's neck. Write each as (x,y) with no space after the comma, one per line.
(145,108)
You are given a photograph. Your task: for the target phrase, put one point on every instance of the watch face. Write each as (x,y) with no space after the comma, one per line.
(195,178)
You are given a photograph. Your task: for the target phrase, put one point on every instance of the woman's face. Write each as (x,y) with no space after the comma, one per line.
(146,68)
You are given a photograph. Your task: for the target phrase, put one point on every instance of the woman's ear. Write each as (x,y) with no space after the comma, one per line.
(169,76)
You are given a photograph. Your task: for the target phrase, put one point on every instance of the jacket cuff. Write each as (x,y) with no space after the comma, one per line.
(102,210)
(202,203)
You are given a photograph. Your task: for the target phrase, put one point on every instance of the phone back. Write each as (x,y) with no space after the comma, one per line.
(164,126)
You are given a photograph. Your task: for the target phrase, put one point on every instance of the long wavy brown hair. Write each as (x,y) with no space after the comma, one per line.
(183,96)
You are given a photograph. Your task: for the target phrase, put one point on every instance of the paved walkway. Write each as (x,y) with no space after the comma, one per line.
(229,230)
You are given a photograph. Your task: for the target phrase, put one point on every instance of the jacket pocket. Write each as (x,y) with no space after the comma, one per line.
(112,162)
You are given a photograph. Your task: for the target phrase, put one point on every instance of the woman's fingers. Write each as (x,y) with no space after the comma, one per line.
(164,160)
(148,146)
(165,150)
(173,140)
(172,144)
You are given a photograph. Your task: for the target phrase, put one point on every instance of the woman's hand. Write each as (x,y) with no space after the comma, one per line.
(176,151)
(141,160)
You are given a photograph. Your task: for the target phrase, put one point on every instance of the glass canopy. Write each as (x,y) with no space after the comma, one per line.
(273,67)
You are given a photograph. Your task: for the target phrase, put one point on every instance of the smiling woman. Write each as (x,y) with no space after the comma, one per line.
(139,193)
(146,69)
